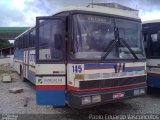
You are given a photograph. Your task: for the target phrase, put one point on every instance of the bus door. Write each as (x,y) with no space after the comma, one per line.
(50,61)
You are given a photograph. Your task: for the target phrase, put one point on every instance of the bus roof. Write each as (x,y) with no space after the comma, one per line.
(24,32)
(151,21)
(106,10)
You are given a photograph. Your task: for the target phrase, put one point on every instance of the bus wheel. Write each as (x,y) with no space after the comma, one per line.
(21,75)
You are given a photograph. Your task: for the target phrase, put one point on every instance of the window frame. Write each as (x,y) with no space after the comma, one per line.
(31,39)
(38,61)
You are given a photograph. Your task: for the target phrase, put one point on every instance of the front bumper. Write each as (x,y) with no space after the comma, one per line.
(75,98)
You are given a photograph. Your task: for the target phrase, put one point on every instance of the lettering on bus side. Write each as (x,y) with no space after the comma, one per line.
(51,80)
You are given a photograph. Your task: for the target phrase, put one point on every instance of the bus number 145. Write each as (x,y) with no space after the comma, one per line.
(77,68)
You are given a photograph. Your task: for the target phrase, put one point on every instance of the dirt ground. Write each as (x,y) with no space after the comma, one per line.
(12,105)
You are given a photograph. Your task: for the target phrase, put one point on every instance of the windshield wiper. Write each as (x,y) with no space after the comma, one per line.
(125,44)
(109,48)
(119,40)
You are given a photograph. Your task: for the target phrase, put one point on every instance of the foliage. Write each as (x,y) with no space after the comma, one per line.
(5,44)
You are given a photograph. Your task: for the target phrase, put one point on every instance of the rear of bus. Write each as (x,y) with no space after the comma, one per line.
(102,59)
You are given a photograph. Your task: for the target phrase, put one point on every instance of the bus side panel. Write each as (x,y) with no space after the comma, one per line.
(16,66)
(51,97)
(18,59)
(153,73)
(50,84)
(31,66)
(153,80)
(31,74)
(25,63)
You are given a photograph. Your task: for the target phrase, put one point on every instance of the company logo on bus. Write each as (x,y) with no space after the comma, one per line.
(50,81)
(119,67)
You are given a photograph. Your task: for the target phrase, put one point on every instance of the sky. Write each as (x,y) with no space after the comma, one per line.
(23,12)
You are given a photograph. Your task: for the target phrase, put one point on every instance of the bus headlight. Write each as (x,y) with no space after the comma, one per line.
(142,91)
(86,100)
(96,98)
(139,91)
(136,92)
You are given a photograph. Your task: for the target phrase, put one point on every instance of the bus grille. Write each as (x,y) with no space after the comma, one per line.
(111,82)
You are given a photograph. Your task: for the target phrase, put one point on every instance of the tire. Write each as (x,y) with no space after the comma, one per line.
(21,75)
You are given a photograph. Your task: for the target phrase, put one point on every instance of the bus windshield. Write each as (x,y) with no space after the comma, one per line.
(93,34)
(130,32)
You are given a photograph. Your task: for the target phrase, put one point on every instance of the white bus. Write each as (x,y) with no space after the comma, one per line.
(151,33)
(83,57)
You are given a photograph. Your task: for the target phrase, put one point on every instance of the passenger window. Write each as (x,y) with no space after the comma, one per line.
(152,47)
(51,36)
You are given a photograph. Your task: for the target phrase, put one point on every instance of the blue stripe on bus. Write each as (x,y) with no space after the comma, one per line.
(92,66)
(19,54)
(124,68)
(50,97)
(133,69)
(153,81)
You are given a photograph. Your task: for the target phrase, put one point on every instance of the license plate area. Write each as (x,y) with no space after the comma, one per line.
(118,95)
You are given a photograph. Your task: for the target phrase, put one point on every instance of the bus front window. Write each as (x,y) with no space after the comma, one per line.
(92,34)
(130,31)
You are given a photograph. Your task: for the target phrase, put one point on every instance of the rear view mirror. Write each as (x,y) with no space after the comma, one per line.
(58,41)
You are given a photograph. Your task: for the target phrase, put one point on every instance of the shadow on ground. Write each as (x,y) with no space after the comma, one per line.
(153,92)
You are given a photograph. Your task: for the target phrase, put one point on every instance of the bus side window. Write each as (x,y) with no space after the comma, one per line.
(149,45)
(24,41)
(20,41)
(154,46)
(27,41)
(153,49)
(51,35)
(145,43)
(32,38)
(56,51)
(158,38)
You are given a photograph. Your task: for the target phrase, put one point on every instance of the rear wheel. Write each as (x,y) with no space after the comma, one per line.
(21,75)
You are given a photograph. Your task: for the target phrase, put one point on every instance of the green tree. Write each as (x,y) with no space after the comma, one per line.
(5,44)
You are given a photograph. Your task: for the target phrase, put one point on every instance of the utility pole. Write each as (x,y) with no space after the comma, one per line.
(92,3)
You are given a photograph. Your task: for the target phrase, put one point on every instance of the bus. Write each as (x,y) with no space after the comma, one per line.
(83,57)
(151,33)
